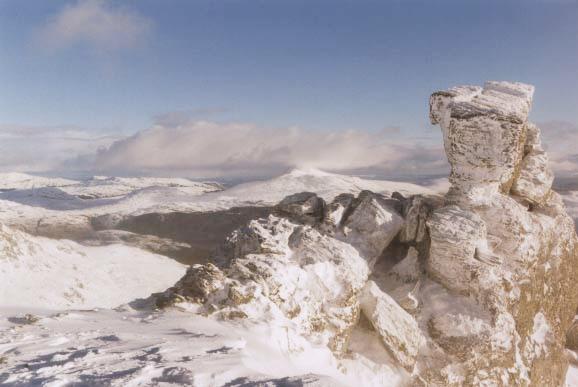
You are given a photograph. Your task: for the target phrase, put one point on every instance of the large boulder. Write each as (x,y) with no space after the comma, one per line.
(305,207)
(370,224)
(504,240)
(484,133)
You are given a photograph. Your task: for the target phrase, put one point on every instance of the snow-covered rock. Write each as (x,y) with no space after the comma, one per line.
(370,224)
(398,329)
(14,180)
(283,273)
(484,132)
(456,236)
(503,239)
(535,178)
(305,207)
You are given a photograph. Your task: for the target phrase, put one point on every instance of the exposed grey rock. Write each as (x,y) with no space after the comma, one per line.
(416,211)
(336,211)
(305,207)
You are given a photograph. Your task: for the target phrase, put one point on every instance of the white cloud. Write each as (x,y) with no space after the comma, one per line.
(210,149)
(40,149)
(95,23)
(560,140)
(207,149)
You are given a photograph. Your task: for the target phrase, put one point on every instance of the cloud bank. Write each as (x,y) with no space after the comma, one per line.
(231,150)
(94,23)
(42,149)
(211,149)
(208,149)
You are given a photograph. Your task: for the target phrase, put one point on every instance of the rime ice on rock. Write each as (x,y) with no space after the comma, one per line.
(477,288)
(484,132)
(503,239)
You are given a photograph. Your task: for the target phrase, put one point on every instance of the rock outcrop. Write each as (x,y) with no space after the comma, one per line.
(285,273)
(307,270)
(503,239)
(475,288)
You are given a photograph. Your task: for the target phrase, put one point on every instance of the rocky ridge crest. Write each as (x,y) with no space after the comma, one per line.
(475,288)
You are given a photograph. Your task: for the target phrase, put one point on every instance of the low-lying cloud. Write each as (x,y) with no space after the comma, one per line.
(211,149)
(42,149)
(178,146)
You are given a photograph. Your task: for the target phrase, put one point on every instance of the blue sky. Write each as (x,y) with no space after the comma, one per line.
(317,65)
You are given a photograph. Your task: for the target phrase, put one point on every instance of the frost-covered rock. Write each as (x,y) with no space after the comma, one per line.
(370,224)
(535,178)
(503,239)
(484,132)
(398,329)
(457,237)
(284,273)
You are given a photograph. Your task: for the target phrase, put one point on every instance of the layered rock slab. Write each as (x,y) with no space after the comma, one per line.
(398,329)
(503,239)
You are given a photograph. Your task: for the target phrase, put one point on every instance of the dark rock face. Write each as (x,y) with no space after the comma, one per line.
(304,207)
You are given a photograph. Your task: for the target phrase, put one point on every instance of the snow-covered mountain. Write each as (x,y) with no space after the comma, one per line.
(15,180)
(101,187)
(153,195)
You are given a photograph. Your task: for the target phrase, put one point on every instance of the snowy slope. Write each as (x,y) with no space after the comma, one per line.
(15,180)
(128,348)
(262,193)
(27,207)
(327,185)
(106,187)
(47,273)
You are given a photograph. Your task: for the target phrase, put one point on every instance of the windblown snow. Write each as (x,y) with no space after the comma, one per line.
(38,272)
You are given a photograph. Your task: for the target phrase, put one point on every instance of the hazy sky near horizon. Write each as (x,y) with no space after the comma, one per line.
(75,70)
